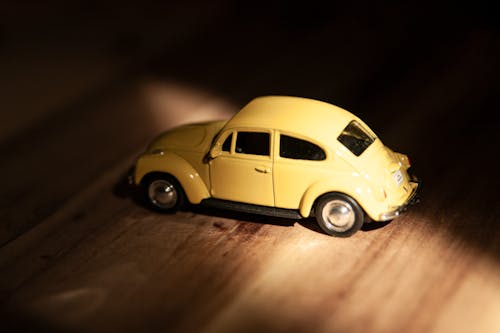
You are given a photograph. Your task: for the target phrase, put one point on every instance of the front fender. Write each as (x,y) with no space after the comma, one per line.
(171,163)
(352,185)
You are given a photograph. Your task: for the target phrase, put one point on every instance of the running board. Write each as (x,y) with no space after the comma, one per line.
(251,209)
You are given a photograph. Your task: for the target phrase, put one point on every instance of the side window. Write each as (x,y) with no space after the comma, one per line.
(255,143)
(226,146)
(299,149)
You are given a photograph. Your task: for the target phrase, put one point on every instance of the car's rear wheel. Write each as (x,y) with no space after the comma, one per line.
(339,215)
(164,192)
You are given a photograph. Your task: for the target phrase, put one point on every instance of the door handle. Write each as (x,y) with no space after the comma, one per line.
(263,169)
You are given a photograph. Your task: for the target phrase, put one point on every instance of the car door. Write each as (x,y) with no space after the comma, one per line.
(243,170)
(299,163)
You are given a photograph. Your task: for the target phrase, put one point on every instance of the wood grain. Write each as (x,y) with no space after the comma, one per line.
(81,252)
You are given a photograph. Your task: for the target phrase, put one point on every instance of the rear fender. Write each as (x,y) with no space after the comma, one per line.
(353,186)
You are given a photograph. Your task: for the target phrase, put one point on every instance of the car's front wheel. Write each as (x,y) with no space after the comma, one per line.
(164,193)
(339,215)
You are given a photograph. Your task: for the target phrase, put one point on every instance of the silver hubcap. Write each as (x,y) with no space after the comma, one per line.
(162,194)
(338,215)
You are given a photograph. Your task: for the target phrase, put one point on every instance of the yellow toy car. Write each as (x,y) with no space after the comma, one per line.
(281,156)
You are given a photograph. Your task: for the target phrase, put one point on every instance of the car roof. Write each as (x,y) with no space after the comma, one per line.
(307,117)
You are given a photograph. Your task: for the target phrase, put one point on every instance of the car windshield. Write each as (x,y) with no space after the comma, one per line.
(356,138)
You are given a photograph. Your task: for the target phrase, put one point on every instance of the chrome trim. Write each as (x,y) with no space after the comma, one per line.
(339,215)
(389,215)
(130,176)
(162,194)
(412,199)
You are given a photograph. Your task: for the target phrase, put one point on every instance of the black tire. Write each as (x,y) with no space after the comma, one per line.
(164,193)
(348,219)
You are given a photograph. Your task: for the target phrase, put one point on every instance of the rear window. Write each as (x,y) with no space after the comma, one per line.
(356,138)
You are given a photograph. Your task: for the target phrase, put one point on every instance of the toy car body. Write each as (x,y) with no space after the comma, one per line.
(283,156)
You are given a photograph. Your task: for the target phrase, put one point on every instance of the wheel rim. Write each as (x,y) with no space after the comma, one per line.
(162,193)
(338,215)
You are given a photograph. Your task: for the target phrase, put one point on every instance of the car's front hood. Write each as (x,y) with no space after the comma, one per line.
(192,137)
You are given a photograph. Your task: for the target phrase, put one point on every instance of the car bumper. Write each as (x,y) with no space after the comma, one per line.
(414,198)
(131,176)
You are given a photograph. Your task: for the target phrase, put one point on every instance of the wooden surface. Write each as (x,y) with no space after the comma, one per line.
(81,253)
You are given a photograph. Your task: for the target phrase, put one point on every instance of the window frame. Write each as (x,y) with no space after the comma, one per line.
(222,139)
(231,144)
(277,140)
(305,140)
(353,147)
(253,130)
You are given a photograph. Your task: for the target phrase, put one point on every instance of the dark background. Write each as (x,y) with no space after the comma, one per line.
(422,74)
